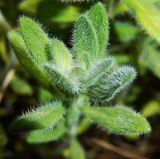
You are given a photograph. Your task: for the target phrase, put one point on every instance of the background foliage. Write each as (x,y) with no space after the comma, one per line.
(131,42)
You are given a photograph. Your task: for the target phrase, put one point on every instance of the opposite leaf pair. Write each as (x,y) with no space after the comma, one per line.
(79,77)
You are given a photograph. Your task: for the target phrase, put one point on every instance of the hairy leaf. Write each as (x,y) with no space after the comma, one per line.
(61,55)
(111,84)
(90,38)
(147,15)
(85,42)
(119,120)
(98,17)
(35,38)
(25,58)
(62,79)
(45,116)
(97,71)
(48,134)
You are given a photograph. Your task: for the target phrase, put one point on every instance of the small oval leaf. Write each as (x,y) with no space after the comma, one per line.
(42,117)
(61,55)
(62,79)
(119,120)
(47,135)
(35,38)
(110,84)
(25,58)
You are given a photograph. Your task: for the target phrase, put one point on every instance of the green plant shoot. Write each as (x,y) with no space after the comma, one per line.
(82,76)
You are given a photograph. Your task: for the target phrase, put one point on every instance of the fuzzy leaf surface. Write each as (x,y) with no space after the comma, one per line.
(61,55)
(45,116)
(61,79)
(119,120)
(25,58)
(112,83)
(90,35)
(47,135)
(147,16)
(99,19)
(97,71)
(35,38)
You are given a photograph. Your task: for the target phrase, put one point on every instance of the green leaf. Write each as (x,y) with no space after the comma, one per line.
(119,120)
(147,16)
(119,9)
(90,38)
(151,108)
(25,58)
(61,55)
(83,125)
(17,83)
(96,72)
(109,85)
(76,151)
(67,15)
(122,58)
(98,17)
(150,57)
(30,6)
(85,42)
(45,116)
(125,31)
(62,79)
(35,38)
(45,95)
(46,135)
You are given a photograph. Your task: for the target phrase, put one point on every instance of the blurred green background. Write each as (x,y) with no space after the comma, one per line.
(129,44)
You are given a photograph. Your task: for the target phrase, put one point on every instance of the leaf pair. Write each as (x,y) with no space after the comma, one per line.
(35,50)
(59,70)
(44,123)
(103,78)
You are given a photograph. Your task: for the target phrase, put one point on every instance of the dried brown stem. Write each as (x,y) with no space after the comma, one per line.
(115,149)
